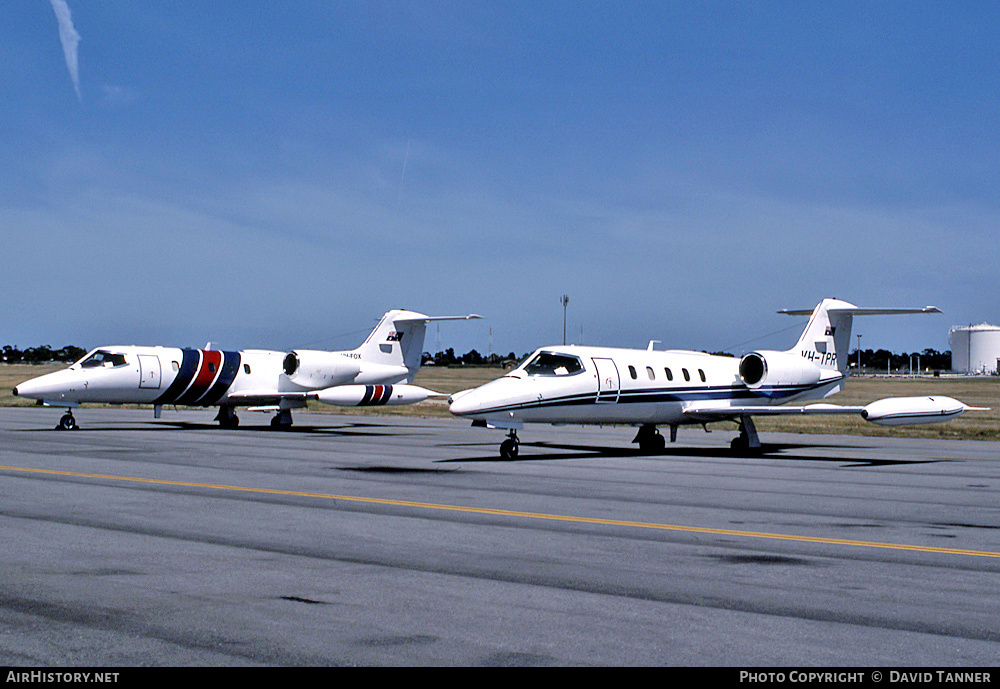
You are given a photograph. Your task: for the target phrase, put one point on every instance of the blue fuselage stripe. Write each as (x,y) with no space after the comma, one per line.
(186,373)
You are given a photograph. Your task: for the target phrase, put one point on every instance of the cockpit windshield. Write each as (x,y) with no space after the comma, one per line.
(551,364)
(102,358)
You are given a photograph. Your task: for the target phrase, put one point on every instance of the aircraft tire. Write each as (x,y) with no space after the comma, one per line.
(508,449)
(741,447)
(652,444)
(67,423)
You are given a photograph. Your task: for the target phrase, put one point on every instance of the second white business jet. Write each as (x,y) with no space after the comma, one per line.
(379,372)
(647,388)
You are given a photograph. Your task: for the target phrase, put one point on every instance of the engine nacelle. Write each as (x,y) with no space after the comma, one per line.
(317,370)
(768,369)
(910,411)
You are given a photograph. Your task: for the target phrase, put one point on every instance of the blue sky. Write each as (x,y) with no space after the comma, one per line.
(279,175)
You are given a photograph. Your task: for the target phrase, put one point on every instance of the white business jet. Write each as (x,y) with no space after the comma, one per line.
(646,388)
(379,372)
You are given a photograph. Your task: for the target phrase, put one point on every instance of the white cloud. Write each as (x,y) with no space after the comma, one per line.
(70,40)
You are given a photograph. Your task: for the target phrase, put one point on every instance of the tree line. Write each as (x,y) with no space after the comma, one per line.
(881,360)
(876,360)
(470,358)
(41,355)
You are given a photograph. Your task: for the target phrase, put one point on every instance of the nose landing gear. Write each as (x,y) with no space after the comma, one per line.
(509,447)
(67,422)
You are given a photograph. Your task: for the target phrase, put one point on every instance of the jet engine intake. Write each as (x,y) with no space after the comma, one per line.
(316,370)
(769,369)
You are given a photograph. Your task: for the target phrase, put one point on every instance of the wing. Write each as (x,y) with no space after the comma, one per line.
(705,414)
(892,411)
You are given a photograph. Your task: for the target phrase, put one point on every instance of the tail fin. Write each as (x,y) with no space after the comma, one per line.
(827,338)
(398,339)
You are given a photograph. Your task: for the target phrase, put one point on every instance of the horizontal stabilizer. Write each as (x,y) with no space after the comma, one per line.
(862,311)
(428,319)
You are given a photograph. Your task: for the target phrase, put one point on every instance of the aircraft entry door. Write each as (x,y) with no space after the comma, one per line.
(607,381)
(149,371)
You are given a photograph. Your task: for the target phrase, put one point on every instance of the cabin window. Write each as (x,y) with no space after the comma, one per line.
(687,376)
(102,358)
(211,366)
(551,364)
(702,374)
(176,365)
(670,375)
(246,369)
(631,372)
(649,372)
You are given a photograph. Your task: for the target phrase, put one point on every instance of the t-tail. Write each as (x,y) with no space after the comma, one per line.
(390,355)
(827,338)
(398,339)
(817,365)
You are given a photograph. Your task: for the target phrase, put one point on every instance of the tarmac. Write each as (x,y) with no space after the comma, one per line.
(395,541)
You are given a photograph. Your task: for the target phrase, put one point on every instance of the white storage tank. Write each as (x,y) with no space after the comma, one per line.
(975,348)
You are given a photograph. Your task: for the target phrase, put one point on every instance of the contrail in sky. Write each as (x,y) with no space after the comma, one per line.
(69,39)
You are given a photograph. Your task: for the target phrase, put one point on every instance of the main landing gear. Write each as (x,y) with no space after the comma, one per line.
(509,447)
(283,419)
(649,438)
(227,417)
(747,443)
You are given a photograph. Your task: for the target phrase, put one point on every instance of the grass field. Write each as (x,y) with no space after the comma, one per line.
(975,391)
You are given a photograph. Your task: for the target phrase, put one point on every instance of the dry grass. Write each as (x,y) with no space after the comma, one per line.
(12,374)
(977,392)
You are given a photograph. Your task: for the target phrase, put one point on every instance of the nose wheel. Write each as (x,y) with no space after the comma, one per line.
(67,422)
(509,447)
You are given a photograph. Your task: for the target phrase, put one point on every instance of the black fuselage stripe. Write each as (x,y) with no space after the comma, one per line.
(186,373)
(230,367)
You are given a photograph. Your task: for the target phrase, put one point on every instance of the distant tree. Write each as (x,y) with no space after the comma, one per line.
(37,355)
(445,358)
(472,357)
(69,354)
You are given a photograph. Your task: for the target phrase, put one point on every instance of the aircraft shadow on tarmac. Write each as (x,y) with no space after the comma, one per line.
(352,429)
(344,429)
(771,451)
(563,451)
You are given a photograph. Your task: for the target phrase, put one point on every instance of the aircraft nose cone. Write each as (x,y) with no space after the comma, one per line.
(462,403)
(51,386)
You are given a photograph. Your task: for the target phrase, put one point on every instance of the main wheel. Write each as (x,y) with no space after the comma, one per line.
(652,443)
(66,423)
(741,446)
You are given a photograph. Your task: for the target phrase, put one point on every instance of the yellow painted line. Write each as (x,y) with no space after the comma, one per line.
(515,513)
